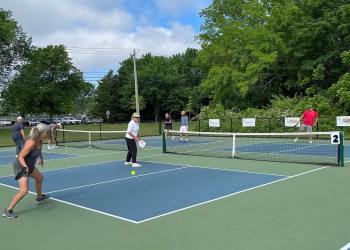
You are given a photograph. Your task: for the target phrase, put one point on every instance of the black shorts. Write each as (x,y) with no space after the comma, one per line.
(168,126)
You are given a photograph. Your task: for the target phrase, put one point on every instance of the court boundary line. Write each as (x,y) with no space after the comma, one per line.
(178,210)
(79,206)
(115,180)
(84,156)
(230,195)
(83,165)
(213,168)
(184,208)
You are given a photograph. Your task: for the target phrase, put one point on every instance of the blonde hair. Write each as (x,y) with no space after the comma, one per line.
(135,115)
(38,130)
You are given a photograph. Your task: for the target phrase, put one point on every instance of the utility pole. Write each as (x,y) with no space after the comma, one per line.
(136,86)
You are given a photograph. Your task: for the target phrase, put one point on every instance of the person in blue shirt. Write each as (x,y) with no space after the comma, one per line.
(184,126)
(18,134)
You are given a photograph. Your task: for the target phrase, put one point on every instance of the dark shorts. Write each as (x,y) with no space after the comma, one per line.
(168,126)
(20,172)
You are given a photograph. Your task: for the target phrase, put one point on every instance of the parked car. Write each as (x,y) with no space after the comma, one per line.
(5,123)
(72,120)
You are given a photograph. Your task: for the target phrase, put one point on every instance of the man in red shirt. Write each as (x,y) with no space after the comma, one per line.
(308,120)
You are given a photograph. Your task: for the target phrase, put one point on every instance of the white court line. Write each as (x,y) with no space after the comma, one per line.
(185,208)
(85,165)
(76,205)
(229,195)
(223,169)
(346,247)
(115,180)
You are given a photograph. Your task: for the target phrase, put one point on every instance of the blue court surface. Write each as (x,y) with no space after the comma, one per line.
(156,190)
(8,157)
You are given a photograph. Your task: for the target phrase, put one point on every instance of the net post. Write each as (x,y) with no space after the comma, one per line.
(100,130)
(341,150)
(90,138)
(233,145)
(160,126)
(199,125)
(164,144)
(63,133)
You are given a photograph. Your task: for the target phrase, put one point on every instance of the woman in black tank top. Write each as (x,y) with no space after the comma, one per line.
(24,167)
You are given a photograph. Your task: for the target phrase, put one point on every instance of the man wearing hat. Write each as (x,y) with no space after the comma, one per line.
(184,125)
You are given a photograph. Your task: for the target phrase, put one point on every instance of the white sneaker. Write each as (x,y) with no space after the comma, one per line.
(172,138)
(49,147)
(186,140)
(310,142)
(54,146)
(136,165)
(127,163)
(296,139)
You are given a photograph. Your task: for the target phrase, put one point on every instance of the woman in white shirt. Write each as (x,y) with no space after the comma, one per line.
(131,138)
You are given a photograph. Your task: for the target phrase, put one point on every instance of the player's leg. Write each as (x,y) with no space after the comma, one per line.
(38,186)
(23,183)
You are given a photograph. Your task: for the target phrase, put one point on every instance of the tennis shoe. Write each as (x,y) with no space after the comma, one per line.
(43,197)
(127,163)
(9,214)
(310,142)
(136,165)
(296,139)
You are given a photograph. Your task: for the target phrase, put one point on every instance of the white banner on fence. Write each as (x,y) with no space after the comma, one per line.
(343,121)
(248,122)
(291,122)
(214,123)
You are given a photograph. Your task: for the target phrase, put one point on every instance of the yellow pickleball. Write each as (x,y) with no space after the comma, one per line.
(132,172)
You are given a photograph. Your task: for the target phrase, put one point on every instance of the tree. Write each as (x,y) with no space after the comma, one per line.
(14,47)
(256,49)
(48,83)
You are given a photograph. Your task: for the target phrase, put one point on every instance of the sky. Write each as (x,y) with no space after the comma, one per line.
(99,34)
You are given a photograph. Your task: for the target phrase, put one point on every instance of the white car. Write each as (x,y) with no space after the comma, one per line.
(5,123)
(73,120)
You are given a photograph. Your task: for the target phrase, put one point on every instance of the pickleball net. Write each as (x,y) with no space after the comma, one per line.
(297,147)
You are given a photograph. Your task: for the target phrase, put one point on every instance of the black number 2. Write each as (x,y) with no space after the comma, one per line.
(335,138)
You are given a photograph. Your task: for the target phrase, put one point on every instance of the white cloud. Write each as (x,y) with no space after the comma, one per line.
(80,24)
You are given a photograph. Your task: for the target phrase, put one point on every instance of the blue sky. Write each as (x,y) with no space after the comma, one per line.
(112,27)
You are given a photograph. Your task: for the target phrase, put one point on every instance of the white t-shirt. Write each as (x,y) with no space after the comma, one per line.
(133,128)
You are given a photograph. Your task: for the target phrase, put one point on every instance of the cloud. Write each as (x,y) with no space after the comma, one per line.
(104,24)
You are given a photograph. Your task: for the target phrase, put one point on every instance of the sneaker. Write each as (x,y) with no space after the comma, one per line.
(127,163)
(310,142)
(9,214)
(296,139)
(136,165)
(49,147)
(172,138)
(54,146)
(42,198)
(186,140)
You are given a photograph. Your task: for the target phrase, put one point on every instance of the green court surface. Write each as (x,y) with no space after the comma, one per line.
(307,210)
